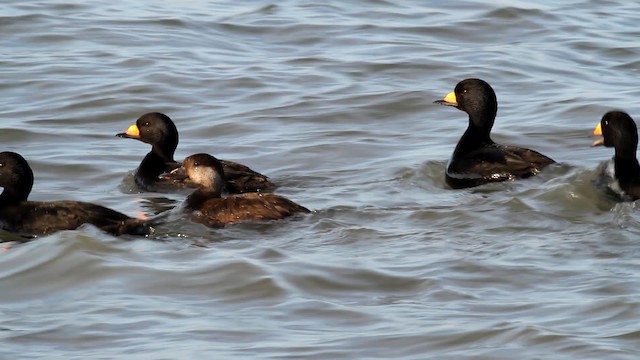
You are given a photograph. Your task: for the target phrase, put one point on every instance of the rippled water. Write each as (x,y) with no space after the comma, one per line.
(334,101)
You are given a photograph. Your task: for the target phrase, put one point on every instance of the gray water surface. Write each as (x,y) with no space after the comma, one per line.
(332,100)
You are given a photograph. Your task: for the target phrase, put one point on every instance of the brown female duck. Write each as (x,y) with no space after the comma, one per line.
(206,205)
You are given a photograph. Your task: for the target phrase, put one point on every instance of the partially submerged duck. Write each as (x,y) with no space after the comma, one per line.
(160,132)
(206,205)
(619,131)
(477,159)
(35,218)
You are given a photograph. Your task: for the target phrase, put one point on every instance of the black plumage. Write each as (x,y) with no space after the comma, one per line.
(33,218)
(160,132)
(620,132)
(477,159)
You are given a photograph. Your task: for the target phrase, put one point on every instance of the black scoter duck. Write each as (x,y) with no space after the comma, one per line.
(34,218)
(160,132)
(477,159)
(619,131)
(207,206)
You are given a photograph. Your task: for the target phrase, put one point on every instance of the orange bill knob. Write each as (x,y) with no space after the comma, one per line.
(133,131)
(598,132)
(449,100)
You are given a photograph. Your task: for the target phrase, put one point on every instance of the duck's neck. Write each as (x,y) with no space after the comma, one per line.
(627,168)
(16,194)
(472,139)
(200,196)
(165,150)
(151,167)
(211,185)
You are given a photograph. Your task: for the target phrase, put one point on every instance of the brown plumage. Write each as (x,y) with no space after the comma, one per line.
(207,206)
(240,179)
(34,218)
(160,132)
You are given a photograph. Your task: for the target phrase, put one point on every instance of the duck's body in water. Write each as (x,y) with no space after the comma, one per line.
(206,205)
(477,159)
(160,132)
(36,218)
(620,132)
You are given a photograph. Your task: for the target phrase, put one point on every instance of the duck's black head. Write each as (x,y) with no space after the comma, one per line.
(16,177)
(477,98)
(156,129)
(618,131)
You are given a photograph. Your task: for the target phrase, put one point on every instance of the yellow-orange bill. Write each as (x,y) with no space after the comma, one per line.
(133,130)
(598,130)
(450,98)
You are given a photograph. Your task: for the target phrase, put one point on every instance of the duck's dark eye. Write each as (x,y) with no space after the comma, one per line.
(196,163)
(146,124)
